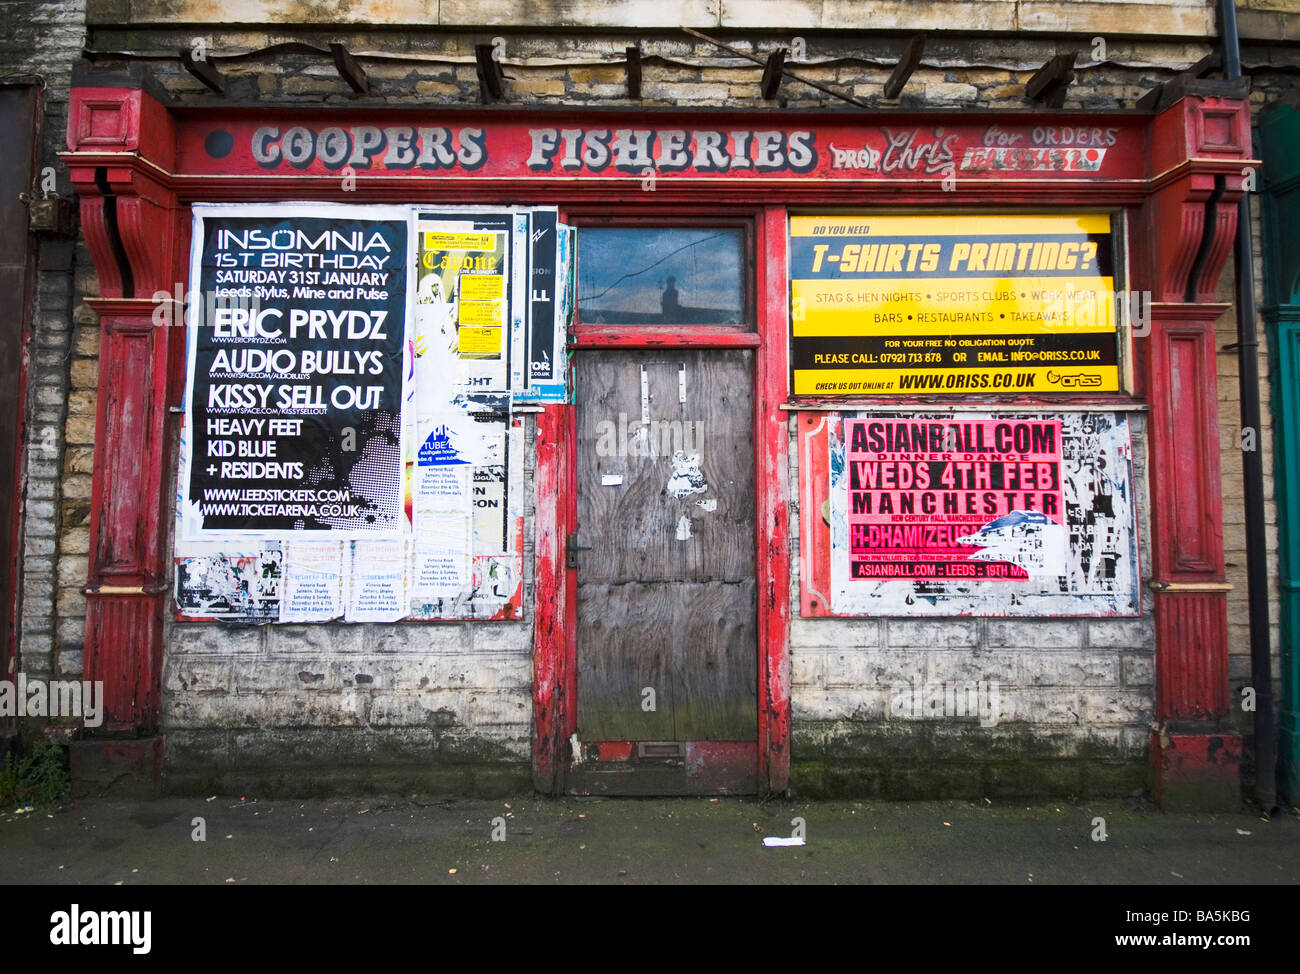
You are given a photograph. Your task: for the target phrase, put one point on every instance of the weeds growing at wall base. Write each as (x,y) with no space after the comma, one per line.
(39,777)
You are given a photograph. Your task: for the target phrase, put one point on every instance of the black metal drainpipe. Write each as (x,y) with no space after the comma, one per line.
(1252,464)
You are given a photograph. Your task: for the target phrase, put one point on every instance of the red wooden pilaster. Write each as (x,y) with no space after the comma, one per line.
(130,221)
(550,632)
(771,478)
(1199,149)
(125,594)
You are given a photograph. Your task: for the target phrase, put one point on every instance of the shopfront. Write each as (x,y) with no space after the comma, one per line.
(867,454)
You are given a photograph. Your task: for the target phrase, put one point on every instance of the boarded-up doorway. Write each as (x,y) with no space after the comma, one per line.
(664,549)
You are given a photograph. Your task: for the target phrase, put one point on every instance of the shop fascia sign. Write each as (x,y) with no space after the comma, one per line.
(706,148)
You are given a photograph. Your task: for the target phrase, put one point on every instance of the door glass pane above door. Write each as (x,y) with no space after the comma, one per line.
(661,275)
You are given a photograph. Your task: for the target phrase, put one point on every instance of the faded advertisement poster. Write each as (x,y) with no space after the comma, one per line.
(466,298)
(1030,514)
(349,449)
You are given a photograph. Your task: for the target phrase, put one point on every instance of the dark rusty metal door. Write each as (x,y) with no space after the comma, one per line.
(18,132)
(664,550)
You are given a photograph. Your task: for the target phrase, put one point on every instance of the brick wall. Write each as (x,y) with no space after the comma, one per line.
(425,68)
(1264,19)
(306,709)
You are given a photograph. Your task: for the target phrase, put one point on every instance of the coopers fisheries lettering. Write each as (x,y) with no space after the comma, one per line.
(611,146)
(295,383)
(953,304)
(594,149)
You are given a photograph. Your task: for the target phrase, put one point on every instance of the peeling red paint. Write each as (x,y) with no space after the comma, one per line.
(771,480)
(549,652)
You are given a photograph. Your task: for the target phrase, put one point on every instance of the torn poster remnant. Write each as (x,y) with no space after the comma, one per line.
(1029,540)
(232,588)
(686,478)
(683,528)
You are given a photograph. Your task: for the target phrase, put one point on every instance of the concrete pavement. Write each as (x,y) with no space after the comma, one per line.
(244,840)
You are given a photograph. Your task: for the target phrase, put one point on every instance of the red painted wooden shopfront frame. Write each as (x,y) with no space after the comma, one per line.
(765,332)
(137,165)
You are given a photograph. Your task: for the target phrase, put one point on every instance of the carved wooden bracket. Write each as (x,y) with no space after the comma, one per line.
(1200,165)
(126,206)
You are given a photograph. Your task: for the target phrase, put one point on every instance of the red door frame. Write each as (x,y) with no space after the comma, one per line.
(768,306)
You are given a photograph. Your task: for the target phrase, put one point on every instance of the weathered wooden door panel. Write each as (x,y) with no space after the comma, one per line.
(665,555)
(623,649)
(715,663)
(632,526)
(691,643)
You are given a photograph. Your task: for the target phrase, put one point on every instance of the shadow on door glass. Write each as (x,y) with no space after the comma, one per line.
(660,276)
